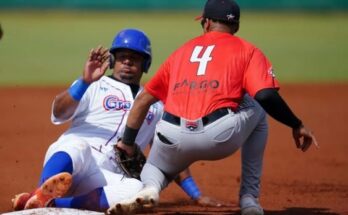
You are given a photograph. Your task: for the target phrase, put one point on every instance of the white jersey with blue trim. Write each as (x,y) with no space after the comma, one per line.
(102,113)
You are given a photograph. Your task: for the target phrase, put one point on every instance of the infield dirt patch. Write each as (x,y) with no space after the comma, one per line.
(293,183)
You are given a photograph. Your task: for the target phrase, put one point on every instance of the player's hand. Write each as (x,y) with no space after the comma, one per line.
(96,65)
(207,201)
(304,138)
(129,149)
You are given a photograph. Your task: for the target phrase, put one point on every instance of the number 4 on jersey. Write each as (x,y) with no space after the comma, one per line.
(203,61)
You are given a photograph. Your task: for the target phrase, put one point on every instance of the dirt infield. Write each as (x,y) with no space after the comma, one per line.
(293,183)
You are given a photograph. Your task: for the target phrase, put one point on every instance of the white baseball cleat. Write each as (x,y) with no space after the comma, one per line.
(249,205)
(146,198)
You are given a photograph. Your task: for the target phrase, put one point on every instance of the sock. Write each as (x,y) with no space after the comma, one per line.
(59,162)
(94,200)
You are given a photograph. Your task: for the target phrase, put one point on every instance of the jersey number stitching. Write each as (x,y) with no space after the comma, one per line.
(203,61)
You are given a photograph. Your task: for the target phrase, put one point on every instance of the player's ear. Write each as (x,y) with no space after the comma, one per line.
(208,25)
(205,24)
(203,20)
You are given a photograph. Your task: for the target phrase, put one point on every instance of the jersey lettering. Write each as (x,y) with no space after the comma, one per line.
(112,102)
(194,85)
(203,60)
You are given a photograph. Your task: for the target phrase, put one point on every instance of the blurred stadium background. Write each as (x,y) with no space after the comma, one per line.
(46,42)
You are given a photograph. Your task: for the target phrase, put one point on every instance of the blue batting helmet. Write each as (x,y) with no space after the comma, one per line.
(135,40)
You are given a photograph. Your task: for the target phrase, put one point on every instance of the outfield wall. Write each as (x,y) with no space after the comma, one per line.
(177,4)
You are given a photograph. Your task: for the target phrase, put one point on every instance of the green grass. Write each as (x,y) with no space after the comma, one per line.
(50,47)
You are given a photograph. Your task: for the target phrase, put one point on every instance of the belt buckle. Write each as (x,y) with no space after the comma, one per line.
(191,125)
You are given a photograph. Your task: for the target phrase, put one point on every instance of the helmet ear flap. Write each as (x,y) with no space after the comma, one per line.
(111,60)
(146,64)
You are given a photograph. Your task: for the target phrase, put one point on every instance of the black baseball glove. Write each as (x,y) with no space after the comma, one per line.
(131,165)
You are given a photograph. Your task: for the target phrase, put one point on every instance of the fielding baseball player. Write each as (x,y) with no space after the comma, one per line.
(202,85)
(80,165)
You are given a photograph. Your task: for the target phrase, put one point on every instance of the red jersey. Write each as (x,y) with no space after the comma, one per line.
(210,72)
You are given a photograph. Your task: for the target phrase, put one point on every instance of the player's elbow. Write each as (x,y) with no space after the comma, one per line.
(61,112)
(265,95)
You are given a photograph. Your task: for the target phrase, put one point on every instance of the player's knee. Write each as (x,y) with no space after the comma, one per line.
(81,145)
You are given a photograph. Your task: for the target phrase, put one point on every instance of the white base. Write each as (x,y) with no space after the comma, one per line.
(53,211)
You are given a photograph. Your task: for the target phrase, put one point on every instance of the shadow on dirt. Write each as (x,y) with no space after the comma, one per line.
(302,211)
(231,211)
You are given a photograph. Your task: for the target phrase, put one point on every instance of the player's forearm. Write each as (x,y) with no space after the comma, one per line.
(64,106)
(276,107)
(66,103)
(136,116)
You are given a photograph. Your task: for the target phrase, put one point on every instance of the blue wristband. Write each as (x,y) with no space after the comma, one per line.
(190,188)
(77,89)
